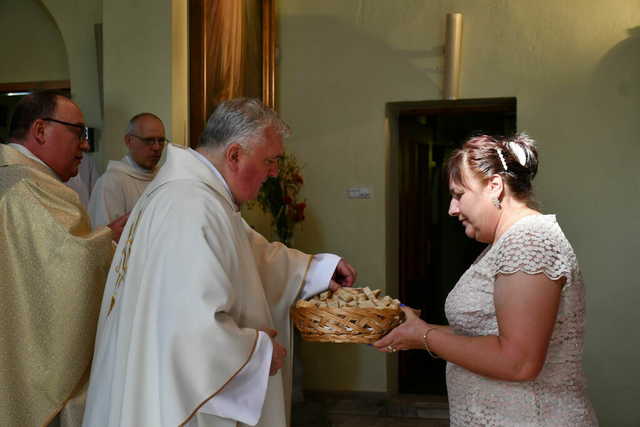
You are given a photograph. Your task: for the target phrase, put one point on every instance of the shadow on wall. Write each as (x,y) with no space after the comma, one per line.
(617,77)
(611,96)
(345,76)
(335,80)
(614,240)
(590,146)
(615,91)
(334,83)
(612,102)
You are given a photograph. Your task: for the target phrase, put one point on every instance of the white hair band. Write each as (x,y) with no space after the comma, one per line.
(518,152)
(504,164)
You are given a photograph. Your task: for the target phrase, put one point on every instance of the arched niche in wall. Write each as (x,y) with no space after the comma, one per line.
(78,23)
(32,44)
(35,55)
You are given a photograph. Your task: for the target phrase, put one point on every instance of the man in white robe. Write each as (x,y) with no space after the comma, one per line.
(118,189)
(194,297)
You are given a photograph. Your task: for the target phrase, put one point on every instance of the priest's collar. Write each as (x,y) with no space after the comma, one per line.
(27,153)
(128,160)
(216,172)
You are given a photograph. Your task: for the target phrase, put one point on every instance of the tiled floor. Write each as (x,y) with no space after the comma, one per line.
(370,410)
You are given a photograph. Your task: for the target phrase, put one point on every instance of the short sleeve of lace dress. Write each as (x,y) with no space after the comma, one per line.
(535,245)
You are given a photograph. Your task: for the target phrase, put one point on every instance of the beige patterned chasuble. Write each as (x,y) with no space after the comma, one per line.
(52,274)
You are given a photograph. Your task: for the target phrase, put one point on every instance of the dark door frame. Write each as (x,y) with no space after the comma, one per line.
(398,193)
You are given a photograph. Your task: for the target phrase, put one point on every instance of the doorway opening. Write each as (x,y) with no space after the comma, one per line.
(432,250)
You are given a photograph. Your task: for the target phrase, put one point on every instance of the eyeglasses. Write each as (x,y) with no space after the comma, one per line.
(150,140)
(84,134)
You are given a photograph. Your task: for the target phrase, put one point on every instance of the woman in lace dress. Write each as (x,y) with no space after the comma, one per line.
(515,340)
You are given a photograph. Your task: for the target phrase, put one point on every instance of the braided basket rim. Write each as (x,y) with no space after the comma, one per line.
(392,317)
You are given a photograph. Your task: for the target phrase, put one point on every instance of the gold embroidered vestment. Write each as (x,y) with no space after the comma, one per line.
(52,274)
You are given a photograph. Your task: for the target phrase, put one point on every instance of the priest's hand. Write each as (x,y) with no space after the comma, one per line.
(345,275)
(279,352)
(117,226)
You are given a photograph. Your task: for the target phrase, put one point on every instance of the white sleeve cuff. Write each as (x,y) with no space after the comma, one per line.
(243,397)
(319,274)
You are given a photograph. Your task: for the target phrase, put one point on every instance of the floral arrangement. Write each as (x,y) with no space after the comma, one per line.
(279,197)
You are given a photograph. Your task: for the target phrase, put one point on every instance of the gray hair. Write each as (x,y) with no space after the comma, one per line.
(240,120)
(131,126)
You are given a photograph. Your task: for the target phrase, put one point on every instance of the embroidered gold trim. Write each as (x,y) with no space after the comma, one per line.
(304,276)
(255,343)
(121,269)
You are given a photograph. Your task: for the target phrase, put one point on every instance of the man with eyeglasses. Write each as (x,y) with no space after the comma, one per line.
(118,189)
(52,266)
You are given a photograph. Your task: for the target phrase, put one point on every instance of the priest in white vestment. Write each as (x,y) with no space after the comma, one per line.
(194,298)
(118,189)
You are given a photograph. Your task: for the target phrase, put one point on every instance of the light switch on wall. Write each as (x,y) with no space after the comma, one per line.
(359,193)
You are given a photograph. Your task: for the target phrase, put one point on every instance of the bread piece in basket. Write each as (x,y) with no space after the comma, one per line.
(349,315)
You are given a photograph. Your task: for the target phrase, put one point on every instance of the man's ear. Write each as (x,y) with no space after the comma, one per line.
(38,131)
(232,156)
(128,140)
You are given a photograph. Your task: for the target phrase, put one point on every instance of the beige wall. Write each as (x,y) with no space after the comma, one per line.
(76,21)
(145,67)
(574,71)
(34,52)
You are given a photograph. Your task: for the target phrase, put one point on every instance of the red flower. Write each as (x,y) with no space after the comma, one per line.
(280,197)
(299,211)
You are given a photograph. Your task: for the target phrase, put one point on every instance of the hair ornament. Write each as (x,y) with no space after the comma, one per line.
(518,152)
(504,164)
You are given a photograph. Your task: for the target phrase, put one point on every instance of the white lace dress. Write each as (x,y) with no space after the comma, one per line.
(557,397)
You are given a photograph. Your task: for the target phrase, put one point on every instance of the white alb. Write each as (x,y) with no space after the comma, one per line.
(117,191)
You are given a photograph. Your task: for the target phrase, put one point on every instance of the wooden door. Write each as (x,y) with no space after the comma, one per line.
(434,251)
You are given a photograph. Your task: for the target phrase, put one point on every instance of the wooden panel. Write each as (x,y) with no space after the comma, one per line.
(32,86)
(198,90)
(269,53)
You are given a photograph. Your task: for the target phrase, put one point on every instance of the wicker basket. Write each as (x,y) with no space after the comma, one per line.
(346,324)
